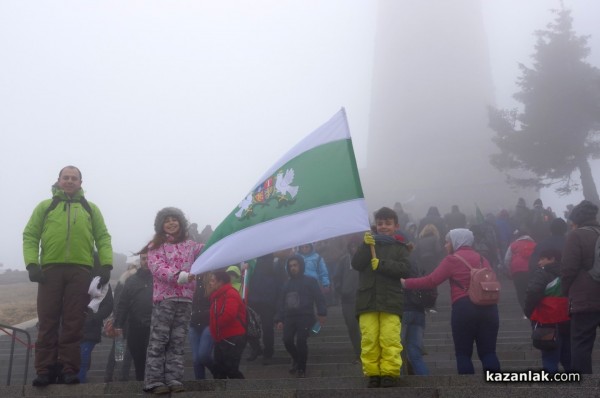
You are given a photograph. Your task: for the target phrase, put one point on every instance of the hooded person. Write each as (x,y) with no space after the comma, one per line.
(579,256)
(170,257)
(296,316)
(315,266)
(470,323)
(236,277)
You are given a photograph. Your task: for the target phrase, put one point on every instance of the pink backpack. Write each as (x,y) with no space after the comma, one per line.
(484,287)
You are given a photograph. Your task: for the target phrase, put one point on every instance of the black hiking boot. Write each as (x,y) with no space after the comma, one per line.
(374,382)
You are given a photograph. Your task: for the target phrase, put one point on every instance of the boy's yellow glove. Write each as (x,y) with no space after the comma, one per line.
(369,240)
(374,263)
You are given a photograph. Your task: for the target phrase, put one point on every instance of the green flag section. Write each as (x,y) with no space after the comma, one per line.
(312,193)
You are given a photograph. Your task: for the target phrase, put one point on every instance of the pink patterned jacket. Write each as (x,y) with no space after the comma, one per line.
(166,262)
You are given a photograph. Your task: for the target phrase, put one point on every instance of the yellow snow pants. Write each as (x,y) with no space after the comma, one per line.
(380,344)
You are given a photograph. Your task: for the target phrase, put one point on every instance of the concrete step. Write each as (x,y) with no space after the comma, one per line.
(409,387)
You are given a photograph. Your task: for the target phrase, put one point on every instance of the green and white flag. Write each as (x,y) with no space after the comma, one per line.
(312,193)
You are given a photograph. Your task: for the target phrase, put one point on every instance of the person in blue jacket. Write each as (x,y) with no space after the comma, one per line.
(314,266)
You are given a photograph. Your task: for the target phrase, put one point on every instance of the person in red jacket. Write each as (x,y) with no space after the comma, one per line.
(227,326)
(516,262)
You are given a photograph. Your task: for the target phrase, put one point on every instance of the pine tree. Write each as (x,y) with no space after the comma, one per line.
(558,130)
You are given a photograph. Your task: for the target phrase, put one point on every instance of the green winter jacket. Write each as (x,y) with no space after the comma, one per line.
(67,235)
(380,290)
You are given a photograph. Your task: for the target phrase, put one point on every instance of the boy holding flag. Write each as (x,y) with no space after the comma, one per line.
(381,261)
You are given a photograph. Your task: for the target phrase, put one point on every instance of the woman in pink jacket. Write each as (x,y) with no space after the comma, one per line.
(170,257)
(470,323)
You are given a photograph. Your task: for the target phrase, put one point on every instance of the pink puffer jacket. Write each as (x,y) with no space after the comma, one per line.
(166,262)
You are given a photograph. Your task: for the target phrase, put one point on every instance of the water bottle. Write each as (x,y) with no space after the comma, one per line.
(119,348)
(316,328)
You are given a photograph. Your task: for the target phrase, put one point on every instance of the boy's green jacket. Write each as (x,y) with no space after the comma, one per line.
(67,234)
(380,290)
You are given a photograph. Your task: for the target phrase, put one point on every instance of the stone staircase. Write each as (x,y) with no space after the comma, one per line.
(330,369)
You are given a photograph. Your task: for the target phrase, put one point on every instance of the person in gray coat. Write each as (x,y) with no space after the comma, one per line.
(578,285)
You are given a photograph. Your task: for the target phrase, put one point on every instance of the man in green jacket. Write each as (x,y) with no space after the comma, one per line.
(67,228)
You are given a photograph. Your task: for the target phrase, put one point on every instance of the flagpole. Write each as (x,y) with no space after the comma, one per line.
(245,280)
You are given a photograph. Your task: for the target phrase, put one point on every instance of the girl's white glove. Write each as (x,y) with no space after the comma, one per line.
(184,277)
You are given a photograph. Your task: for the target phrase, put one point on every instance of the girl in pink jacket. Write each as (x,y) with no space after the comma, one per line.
(170,257)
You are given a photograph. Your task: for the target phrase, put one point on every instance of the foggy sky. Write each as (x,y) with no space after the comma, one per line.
(187,103)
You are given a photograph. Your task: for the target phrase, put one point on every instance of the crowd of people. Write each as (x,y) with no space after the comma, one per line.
(159,305)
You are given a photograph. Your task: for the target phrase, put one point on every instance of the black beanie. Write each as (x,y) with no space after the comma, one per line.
(169,212)
(583,213)
(558,226)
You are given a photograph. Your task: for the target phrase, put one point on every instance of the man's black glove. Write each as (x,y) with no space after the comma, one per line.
(104,273)
(35,273)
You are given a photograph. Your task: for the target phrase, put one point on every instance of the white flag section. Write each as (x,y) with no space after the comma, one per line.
(312,193)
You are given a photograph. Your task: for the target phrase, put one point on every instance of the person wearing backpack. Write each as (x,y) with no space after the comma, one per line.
(470,322)
(58,247)
(546,306)
(583,291)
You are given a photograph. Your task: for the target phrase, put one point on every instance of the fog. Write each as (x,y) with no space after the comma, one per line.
(187,103)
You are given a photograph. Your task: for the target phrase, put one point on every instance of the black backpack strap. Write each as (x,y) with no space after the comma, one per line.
(85,205)
(244,325)
(55,201)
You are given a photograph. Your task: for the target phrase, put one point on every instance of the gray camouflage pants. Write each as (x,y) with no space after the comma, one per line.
(168,332)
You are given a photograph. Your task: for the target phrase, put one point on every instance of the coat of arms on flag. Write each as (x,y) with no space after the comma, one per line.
(282,190)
